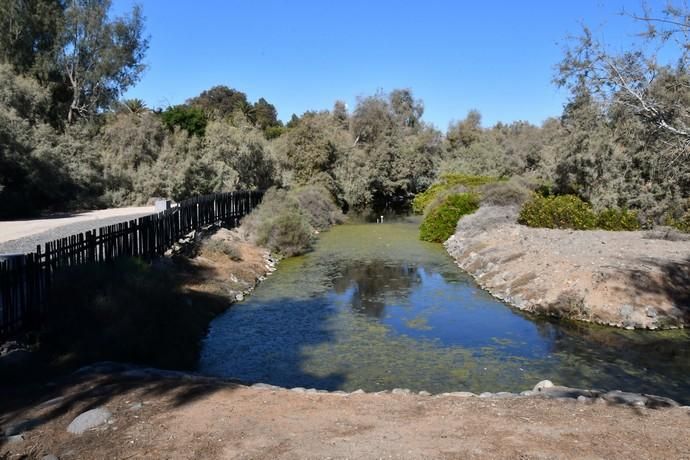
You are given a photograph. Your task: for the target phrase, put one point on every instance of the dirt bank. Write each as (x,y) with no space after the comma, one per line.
(177,416)
(623,279)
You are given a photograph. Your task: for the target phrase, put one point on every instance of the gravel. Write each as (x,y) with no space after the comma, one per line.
(28,244)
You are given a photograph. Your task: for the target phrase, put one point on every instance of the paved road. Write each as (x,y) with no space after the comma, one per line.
(23,236)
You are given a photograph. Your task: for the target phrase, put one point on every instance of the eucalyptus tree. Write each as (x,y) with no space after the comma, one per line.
(100,57)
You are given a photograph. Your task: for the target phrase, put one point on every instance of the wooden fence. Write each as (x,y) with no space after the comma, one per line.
(26,279)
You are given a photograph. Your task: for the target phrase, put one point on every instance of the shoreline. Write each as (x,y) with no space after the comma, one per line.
(619,279)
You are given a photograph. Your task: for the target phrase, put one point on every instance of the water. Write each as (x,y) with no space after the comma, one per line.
(374,308)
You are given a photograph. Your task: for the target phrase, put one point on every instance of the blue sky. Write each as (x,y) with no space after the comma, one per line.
(497,57)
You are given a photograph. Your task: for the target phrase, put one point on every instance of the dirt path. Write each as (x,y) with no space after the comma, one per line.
(185,419)
(12,230)
(624,279)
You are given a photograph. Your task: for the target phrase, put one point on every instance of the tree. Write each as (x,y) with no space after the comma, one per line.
(100,57)
(265,114)
(219,102)
(29,33)
(191,119)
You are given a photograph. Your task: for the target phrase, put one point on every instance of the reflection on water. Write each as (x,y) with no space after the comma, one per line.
(374,308)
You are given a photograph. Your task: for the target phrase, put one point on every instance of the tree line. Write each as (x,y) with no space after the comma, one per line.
(68,140)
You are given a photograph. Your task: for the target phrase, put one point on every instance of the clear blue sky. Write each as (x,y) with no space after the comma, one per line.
(496,56)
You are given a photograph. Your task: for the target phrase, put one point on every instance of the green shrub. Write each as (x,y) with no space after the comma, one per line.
(565,211)
(287,233)
(617,220)
(440,222)
(448,181)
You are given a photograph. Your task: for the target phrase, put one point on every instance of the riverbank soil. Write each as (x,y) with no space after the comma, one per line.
(181,417)
(623,279)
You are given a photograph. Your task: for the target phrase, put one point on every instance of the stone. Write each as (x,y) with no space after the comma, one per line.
(265,386)
(583,399)
(400,391)
(19,427)
(650,312)
(136,406)
(298,389)
(424,393)
(239,297)
(358,392)
(528,393)
(656,402)
(542,385)
(88,420)
(50,457)
(486,394)
(15,439)
(461,394)
(622,397)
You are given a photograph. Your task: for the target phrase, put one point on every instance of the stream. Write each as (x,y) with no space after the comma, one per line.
(373,307)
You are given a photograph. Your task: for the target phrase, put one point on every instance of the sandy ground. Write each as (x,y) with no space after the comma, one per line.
(184,419)
(621,279)
(12,230)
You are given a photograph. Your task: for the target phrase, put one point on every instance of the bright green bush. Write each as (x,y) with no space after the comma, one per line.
(440,222)
(618,220)
(565,211)
(447,182)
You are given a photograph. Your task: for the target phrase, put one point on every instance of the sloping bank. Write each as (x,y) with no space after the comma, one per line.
(623,279)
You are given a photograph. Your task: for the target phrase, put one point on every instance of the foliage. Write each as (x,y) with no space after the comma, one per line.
(100,56)
(617,220)
(564,211)
(439,224)
(681,223)
(448,182)
(191,119)
(514,192)
(318,207)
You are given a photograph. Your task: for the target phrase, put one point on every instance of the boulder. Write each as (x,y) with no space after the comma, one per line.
(88,420)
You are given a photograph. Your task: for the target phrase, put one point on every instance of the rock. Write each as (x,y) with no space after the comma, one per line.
(400,391)
(50,457)
(15,439)
(311,391)
(486,394)
(136,406)
(528,393)
(461,394)
(265,386)
(88,420)
(298,389)
(650,312)
(656,402)
(239,297)
(542,385)
(424,393)
(19,427)
(358,392)
(621,397)
(583,399)
(505,394)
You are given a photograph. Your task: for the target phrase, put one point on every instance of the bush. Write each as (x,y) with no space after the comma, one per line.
(448,181)
(440,222)
(285,222)
(618,220)
(681,223)
(514,192)
(565,211)
(316,203)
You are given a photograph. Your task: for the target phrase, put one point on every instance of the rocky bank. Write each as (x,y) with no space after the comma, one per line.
(624,279)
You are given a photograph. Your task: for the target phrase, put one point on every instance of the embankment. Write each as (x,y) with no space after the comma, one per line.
(623,279)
